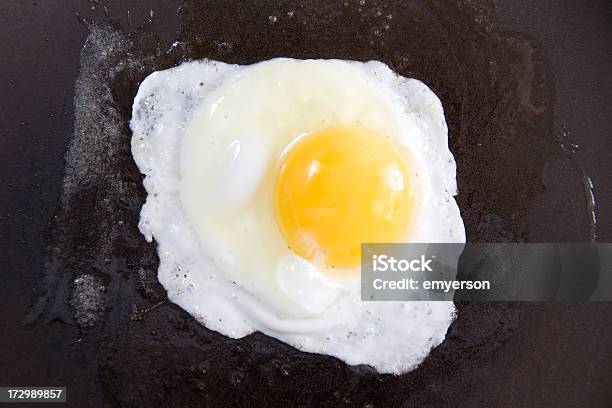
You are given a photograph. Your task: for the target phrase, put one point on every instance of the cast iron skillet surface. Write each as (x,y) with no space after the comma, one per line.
(100,302)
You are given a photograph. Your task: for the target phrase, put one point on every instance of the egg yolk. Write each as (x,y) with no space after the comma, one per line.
(339,188)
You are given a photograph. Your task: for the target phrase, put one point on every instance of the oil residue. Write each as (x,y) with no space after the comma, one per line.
(569,148)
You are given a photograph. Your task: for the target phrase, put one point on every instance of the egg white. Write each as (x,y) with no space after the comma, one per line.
(209,136)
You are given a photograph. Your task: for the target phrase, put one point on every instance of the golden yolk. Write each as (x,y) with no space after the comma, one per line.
(339,188)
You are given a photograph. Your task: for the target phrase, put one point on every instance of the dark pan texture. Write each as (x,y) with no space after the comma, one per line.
(105,326)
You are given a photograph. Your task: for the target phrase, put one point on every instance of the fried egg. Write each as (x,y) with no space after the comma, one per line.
(264,179)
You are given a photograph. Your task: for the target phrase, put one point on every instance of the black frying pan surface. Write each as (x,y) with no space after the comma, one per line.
(82,307)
